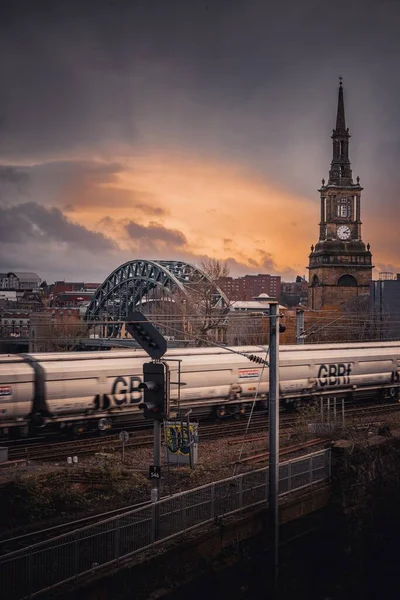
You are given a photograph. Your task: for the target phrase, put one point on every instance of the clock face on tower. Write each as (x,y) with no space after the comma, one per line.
(343,232)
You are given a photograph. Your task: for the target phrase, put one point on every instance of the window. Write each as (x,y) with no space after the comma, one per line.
(315,281)
(343,208)
(347,280)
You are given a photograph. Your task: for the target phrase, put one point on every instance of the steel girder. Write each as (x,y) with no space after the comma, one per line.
(131,282)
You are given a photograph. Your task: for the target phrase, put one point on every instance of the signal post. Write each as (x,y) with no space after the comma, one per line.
(155,386)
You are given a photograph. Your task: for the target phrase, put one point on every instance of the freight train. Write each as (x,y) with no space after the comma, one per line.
(96,390)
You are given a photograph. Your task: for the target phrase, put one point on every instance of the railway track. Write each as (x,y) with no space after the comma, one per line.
(138,439)
(60,450)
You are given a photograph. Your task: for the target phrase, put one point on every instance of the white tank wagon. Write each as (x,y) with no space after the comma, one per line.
(98,389)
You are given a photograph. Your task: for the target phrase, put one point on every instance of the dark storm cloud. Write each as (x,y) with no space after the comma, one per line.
(252,80)
(9,174)
(46,181)
(70,183)
(55,180)
(68,171)
(27,221)
(248,81)
(155,232)
(13,183)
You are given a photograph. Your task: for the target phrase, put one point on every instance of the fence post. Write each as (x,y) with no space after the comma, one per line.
(30,574)
(310,460)
(329,455)
(267,485)
(76,548)
(153,522)
(183,509)
(290,477)
(116,540)
(212,507)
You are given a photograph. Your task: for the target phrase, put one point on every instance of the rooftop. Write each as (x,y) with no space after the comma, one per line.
(22,275)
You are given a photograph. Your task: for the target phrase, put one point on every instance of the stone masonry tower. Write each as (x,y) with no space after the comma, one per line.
(340,264)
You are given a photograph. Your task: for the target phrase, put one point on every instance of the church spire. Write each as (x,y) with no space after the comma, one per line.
(340,173)
(340,118)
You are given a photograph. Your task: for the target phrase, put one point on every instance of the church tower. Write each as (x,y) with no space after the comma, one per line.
(340,265)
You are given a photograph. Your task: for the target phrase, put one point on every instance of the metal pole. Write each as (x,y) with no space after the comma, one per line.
(155,491)
(299,326)
(189,438)
(274,436)
(343,413)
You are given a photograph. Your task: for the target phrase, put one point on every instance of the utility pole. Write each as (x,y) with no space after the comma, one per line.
(299,326)
(273,410)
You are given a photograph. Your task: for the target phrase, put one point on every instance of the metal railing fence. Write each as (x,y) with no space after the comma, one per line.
(38,568)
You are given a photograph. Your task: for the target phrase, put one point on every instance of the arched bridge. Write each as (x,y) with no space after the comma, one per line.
(138,284)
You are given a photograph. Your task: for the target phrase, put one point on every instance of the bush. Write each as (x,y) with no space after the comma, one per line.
(32,498)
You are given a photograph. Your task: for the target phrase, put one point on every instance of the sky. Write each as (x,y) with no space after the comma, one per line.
(186,129)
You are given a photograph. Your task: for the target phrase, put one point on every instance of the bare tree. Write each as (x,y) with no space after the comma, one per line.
(65,337)
(247,329)
(354,322)
(205,307)
(46,336)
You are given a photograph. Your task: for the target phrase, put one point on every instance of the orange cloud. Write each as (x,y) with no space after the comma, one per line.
(209,204)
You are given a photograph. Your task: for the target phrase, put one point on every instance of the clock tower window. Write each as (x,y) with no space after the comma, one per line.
(343,208)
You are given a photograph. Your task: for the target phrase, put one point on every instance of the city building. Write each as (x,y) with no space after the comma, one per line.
(71,293)
(294,293)
(248,321)
(71,298)
(14,323)
(249,286)
(8,295)
(59,287)
(340,265)
(19,281)
(385,305)
(259,304)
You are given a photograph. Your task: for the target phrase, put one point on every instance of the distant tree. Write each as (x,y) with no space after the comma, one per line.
(206,317)
(354,322)
(46,336)
(65,337)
